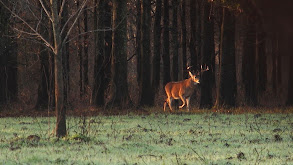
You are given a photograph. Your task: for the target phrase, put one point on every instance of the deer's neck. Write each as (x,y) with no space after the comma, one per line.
(190,83)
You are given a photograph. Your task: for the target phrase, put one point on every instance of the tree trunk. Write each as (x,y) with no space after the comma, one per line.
(65,56)
(207,52)
(59,86)
(146,93)
(102,52)
(46,86)
(249,64)
(183,40)
(193,33)
(59,97)
(166,52)
(43,86)
(275,54)
(119,95)
(157,46)
(81,50)
(8,61)
(85,50)
(138,39)
(289,101)
(279,49)
(175,68)
(227,88)
(262,61)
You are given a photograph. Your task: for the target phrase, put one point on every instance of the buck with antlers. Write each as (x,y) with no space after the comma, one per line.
(182,89)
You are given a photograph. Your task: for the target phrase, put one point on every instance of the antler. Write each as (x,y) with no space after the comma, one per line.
(203,70)
(189,71)
(188,68)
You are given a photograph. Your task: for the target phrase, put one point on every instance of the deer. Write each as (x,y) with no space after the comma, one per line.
(182,89)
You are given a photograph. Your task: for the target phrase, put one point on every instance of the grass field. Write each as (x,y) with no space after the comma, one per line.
(181,138)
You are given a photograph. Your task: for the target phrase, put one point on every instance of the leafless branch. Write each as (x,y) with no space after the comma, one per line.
(39,21)
(24,32)
(78,11)
(98,30)
(45,9)
(34,31)
(30,9)
(90,31)
(61,8)
(74,22)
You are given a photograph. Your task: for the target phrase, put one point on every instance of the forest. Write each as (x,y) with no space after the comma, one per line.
(63,55)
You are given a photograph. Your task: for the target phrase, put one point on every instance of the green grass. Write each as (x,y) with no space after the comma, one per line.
(154,139)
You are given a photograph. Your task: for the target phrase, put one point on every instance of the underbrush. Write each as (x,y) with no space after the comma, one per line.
(153,138)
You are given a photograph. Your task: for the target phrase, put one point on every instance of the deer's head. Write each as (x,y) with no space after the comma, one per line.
(195,79)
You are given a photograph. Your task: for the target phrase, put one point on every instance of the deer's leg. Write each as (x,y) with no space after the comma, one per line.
(183,102)
(170,103)
(187,102)
(166,101)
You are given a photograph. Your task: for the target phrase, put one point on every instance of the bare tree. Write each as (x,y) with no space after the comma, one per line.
(53,11)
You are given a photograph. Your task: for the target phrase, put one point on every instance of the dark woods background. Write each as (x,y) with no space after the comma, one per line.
(122,53)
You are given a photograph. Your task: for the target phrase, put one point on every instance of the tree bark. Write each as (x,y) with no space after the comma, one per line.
(119,96)
(8,61)
(138,39)
(262,60)
(166,52)
(227,88)
(103,46)
(207,52)
(82,50)
(194,22)
(43,86)
(175,68)
(157,46)
(65,55)
(85,51)
(275,55)
(146,93)
(183,40)
(289,101)
(59,86)
(249,64)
